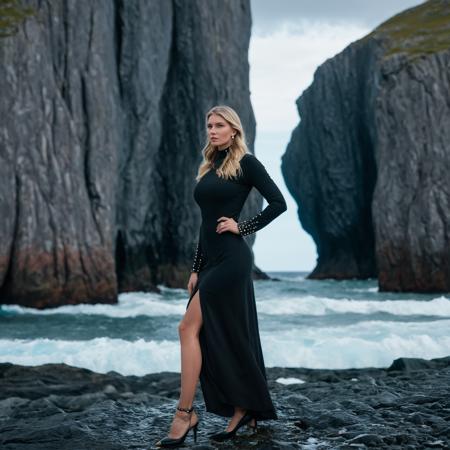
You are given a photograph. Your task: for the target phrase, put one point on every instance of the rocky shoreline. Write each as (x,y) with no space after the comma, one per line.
(57,406)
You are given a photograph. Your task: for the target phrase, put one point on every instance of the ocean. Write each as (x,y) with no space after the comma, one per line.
(303,323)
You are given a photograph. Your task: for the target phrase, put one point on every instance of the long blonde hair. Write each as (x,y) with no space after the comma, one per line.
(230,167)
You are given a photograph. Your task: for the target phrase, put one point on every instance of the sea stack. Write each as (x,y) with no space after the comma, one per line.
(102,125)
(369,162)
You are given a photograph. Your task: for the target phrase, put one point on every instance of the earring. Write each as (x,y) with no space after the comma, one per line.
(232,136)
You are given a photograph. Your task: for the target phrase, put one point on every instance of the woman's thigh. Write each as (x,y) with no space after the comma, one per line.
(192,320)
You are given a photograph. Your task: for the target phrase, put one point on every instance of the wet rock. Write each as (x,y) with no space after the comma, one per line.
(370,440)
(56,406)
(412,364)
(384,399)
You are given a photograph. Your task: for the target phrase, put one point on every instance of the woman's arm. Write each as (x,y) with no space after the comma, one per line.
(199,260)
(256,175)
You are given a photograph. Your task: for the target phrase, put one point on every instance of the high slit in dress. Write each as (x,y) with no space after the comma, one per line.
(232,372)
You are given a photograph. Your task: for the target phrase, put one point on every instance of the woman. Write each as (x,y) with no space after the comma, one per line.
(219,334)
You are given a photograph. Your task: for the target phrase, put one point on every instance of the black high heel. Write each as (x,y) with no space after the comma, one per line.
(253,427)
(223,435)
(168,442)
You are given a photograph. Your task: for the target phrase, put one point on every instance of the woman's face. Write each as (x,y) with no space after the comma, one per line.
(219,131)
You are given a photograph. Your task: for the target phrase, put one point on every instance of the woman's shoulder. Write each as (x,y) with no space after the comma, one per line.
(251,167)
(248,159)
(249,162)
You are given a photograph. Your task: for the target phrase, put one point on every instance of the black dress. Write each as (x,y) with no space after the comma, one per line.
(233,371)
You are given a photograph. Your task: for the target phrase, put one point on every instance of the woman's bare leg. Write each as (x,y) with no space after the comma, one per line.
(191,361)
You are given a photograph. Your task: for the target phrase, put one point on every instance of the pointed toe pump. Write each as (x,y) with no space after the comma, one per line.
(169,442)
(224,435)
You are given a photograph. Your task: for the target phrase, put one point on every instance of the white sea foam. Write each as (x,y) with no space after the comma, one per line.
(363,344)
(319,306)
(100,354)
(129,305)
(151,304)
(368,289)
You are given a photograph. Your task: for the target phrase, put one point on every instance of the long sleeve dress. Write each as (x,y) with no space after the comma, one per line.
(233,371)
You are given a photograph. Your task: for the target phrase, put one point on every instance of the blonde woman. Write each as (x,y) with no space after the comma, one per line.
(219,334)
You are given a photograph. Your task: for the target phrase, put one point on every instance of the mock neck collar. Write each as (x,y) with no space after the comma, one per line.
(219,156)
(222,153)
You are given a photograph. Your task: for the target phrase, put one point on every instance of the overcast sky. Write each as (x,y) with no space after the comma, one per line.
(269,15)
(290,39)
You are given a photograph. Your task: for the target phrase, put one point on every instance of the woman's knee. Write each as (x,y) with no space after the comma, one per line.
(186,329)
(192,320)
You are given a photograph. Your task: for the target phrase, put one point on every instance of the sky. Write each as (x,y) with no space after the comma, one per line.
(290,39)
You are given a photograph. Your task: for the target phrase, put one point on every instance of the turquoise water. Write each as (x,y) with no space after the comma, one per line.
(303,323)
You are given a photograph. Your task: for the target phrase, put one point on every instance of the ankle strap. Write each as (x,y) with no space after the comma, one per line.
(188,410)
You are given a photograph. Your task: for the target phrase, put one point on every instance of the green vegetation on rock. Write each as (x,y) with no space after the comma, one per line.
(424,29)
(12,14)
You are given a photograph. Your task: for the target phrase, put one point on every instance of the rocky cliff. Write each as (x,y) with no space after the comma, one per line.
(369,161)
(102,124)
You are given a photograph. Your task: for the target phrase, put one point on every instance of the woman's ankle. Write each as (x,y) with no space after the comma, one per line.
(183,415)
(185,406)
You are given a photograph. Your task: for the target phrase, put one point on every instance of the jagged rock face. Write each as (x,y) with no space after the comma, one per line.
(411,202)
(369,162)
(329,165)
(102,127)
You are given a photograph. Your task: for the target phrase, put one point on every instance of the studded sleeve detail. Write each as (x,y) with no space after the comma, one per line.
(249,226)
(256,175)
(199,260)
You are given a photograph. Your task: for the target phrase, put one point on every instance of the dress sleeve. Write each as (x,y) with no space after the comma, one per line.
(199,260)
(256,175)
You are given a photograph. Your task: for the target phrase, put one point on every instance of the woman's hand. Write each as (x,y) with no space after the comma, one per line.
(192,282)
(227,224)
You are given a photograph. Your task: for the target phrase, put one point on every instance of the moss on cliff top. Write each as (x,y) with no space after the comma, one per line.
(421,30)
(12,14)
